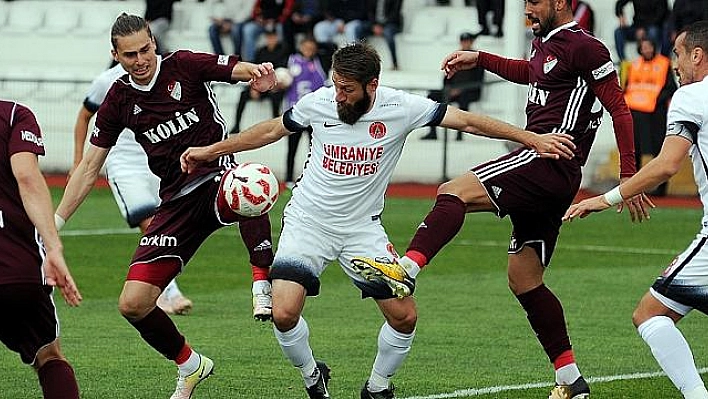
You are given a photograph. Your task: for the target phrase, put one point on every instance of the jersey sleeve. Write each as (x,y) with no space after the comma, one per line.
(108,124)
(97,92)
(422,111)
(208,67)
(299,117)
(684,116)
(25,134)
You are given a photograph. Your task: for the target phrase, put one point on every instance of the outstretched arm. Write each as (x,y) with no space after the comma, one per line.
(38,205)
(80,133)
(551,145)
(81,182)
(254,137)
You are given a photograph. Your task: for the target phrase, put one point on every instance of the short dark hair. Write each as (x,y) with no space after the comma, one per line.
(696,36)
(358,61)
(127,24)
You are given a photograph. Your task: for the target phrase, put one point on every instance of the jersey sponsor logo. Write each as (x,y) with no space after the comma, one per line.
(137,109)
(327,124)
(175,89)
(26,135)
(158,241)
(537,96)
(222,60)
(550,62)
(603,71)
(351,161)
(377,130)
(173,127)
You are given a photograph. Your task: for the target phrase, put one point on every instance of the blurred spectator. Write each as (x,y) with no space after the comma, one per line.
(497,9)
(308,76)
(266,15)
(276,53)
(158,14)
(684,13)
(463,88)
(584,16)
(350,17)
(387,22)
(650,85)
(302,20)
(650,17)
(236,14)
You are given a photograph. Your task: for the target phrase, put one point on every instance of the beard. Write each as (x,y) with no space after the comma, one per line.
(350,113)
(545,26)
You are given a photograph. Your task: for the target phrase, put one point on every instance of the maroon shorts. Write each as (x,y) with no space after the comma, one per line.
(180,226)
(29,319)
(535,193)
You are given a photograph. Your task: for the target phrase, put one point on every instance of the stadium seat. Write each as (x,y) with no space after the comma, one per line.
(23,17)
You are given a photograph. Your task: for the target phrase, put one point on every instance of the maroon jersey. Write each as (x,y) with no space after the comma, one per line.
(563,68)
(567,72)
(21,248)
(176,110)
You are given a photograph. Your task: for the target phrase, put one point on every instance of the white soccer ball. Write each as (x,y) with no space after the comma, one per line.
(285,79)
(250,189)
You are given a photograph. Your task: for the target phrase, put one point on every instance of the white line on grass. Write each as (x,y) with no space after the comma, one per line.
(467,393)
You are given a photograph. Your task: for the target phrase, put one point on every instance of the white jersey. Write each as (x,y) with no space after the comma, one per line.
(688,117)
(349,166)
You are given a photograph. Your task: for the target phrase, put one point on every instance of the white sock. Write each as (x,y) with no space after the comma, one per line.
(191,365)
(172,290)
(409,266)
(261,287)
(698,393)
(392,351)
(672,352)
(567,374)
(296,347)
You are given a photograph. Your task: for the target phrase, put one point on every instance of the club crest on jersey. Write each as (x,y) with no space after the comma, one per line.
(549,63)
(377,130)
(175,89)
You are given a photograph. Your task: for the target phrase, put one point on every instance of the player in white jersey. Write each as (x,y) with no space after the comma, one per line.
(683,286)
(358,130)
(134,187)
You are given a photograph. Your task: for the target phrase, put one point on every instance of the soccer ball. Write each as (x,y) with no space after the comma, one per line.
(250,189)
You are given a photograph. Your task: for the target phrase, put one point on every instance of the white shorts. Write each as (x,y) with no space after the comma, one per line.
(307,246)
(683,285)
(135,188)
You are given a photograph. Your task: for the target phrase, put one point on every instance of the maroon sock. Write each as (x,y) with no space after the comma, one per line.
(160,332)
(440,226)
(545,313)
(255,233)
(57,379)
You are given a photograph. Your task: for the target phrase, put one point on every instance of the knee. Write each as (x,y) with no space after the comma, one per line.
(134,308)
(448,188)
(48,353)
(285,319)
(405,323)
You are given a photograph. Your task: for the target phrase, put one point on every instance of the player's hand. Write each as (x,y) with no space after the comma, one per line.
(553,145)
(458,61)
(57,275)
(193,156)
(638,206)
(263,77)
(586,207)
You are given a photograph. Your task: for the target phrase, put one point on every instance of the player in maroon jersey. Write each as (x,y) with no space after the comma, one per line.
(30,326)
(567,72)
(168,103)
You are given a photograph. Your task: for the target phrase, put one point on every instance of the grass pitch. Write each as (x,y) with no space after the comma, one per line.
(472,335)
